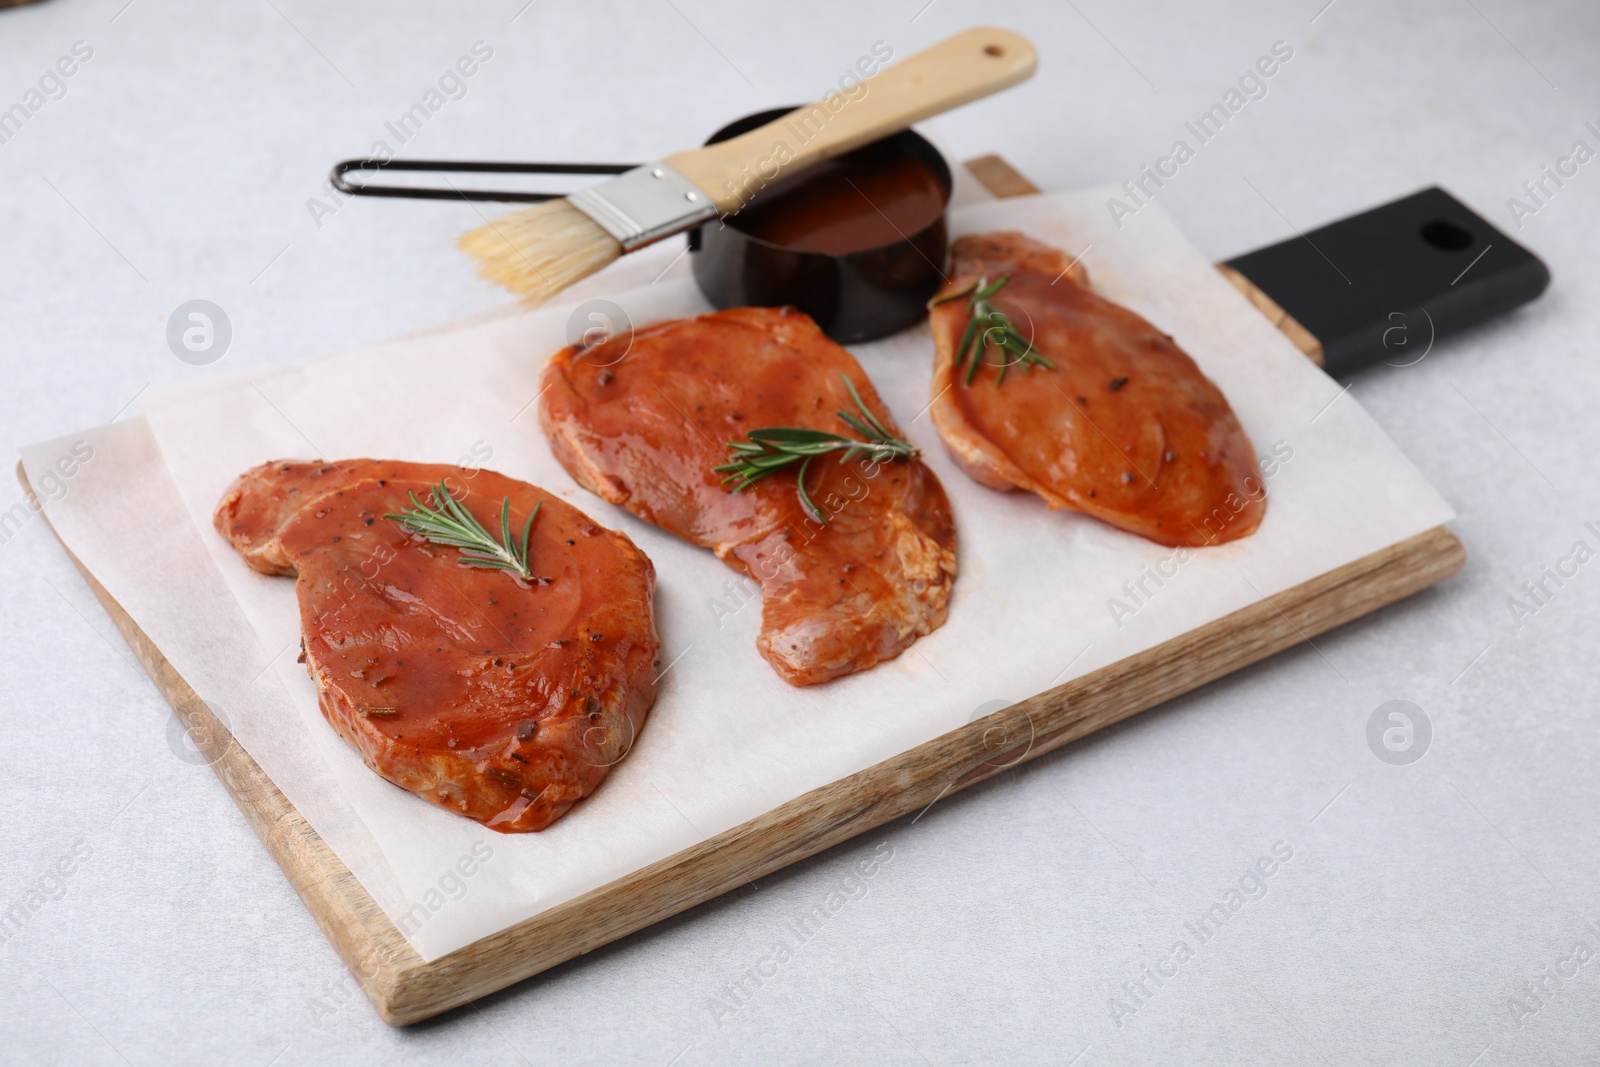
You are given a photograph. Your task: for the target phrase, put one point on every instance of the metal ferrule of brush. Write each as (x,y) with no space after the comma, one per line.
(645,204)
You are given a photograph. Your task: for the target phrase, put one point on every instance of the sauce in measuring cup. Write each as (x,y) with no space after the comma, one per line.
(873,196)
(858,242)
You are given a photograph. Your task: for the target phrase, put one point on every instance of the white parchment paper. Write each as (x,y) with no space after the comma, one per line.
(727,740)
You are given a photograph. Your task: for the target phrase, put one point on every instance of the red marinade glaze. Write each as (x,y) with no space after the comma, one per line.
(504,700)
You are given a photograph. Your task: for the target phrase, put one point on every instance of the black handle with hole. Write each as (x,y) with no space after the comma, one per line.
(1384,285)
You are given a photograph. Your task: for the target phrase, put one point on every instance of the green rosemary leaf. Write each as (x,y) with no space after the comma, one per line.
(487,563)
(990,327)
(856,424)
(980,342)
(984,292)
(773,448)
(793,435)
(527,530)
(877,424)
(967,335)
(968,291)
(447,522)
(805,497)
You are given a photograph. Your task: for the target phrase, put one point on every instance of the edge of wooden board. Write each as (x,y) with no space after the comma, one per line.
(406,989)
(920,776)
(363,936)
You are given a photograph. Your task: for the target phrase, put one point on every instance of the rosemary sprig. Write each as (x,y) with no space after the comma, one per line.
(776,447)
(448,523)
(990,326)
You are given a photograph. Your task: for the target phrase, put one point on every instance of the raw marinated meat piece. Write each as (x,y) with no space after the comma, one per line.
(644,419)
(1122,426)
(502,699)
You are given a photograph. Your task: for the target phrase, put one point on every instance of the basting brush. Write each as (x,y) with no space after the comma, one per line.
(540,250)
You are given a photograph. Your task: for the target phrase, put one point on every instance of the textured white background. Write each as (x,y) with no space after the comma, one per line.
(1418,901)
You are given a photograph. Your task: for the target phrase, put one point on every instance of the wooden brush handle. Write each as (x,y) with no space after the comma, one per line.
(953,72)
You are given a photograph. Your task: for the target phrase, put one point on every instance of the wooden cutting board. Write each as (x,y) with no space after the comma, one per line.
(406,989)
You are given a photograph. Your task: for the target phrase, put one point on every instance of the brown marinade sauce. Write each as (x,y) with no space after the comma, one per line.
(867,198)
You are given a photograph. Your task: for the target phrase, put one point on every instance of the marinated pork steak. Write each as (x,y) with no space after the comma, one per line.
(1115,421)
(645,419)
(502,699)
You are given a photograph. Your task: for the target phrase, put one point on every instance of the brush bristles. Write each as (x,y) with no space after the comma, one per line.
(539,251)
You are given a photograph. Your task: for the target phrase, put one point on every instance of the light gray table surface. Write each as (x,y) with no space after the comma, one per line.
(1443,912)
